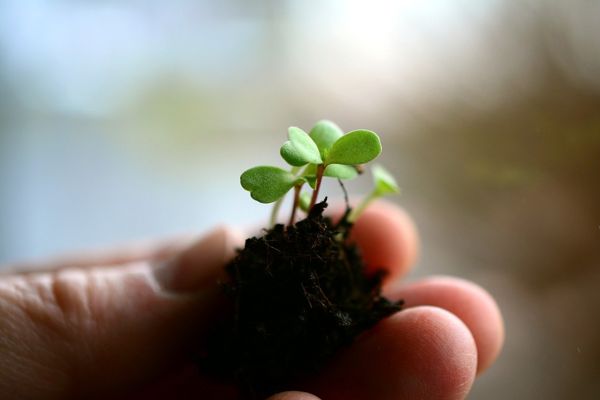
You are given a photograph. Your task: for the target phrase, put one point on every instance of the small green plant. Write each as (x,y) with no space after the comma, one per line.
(324,152)
(299,292)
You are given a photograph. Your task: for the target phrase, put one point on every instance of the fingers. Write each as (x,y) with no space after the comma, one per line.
(469,302)
(129,253)
(108,328)
(200,264)
(387,237)
(421,353)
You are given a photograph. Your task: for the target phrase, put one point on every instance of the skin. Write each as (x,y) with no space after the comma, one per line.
(118,324)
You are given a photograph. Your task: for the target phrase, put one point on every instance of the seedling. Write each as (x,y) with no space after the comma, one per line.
(324,152)
(385,184)
(300,292)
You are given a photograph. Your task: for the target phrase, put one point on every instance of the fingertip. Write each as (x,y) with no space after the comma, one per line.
(469,302)
(293,396)
(388,238)
(424,352)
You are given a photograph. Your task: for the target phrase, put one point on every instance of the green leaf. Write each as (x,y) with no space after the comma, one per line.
(300,149)
(311,180)
(325,134)
(268,184)
(356,147)
(304,201)
(341,171)
(384,181)
(310,170)
(310,175)
(334,171)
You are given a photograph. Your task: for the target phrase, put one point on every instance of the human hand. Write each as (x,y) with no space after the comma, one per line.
(120,325)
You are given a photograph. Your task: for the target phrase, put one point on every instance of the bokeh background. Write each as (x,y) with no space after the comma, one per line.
(123,120)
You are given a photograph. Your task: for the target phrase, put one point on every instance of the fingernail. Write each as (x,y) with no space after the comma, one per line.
(201,264)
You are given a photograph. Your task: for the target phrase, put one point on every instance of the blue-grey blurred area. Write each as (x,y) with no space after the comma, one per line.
(122,120)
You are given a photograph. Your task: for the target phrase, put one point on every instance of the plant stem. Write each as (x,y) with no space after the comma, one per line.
(355,213)
(295,205)
(274,212)
(320,171)
(278,203)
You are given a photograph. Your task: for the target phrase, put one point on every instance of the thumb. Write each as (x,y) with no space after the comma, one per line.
(76,332)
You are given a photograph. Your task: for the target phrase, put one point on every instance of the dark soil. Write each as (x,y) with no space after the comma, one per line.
(299,294)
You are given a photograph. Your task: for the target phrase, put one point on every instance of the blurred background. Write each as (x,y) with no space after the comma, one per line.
(123,120)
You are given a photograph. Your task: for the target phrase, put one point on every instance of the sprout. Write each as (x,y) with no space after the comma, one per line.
(384,181)
(325,152)
(384,184)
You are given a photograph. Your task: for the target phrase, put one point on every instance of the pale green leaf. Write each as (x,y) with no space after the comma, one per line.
(304,201)
(310,175)
(341,171)
(310,170)
(300,149)
(356,147)
(384,181)
(267,184)
(325,134)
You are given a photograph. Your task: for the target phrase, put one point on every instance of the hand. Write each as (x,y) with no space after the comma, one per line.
(119,325)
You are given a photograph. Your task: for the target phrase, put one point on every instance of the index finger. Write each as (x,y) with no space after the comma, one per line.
(388,239)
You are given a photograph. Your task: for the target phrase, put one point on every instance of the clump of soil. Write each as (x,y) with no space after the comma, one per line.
(299,294)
